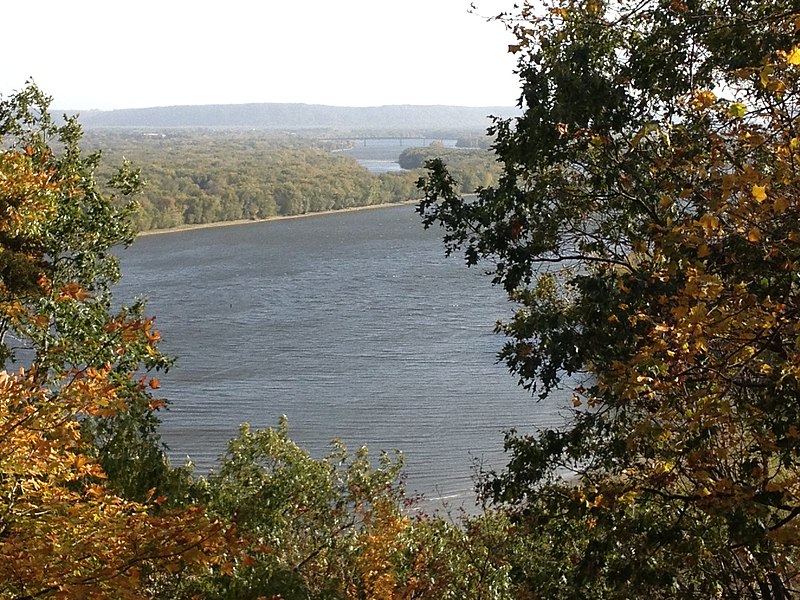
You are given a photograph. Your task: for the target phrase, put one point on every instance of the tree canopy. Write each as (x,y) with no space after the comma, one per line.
(647,223)
(199,176)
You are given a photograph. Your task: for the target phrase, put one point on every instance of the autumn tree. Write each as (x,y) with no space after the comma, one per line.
(340,527)
(64,532)
(60,224)
(647,226)
(82,475)
(308,528)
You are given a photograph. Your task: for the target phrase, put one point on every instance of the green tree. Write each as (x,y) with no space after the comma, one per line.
(81,511)
(56,308)
(309,528)
(646,225)
(472,168)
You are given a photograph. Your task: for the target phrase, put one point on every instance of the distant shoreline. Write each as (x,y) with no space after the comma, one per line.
(191,227)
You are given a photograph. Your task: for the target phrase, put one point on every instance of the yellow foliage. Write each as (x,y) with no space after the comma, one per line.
(27,195)
(759,192)
(704,98)
(380,543)
(737,109)
(65,534)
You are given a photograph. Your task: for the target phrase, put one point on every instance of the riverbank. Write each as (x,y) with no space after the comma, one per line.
(192,227)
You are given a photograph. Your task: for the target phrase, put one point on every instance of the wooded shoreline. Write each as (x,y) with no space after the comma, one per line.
(194,226)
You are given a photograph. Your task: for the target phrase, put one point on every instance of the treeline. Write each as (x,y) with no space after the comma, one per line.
(472,168)
(475,141)
(199,176)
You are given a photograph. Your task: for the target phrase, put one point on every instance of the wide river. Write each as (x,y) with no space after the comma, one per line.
(354,325)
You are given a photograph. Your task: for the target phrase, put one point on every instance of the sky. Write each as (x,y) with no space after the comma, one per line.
(110,54)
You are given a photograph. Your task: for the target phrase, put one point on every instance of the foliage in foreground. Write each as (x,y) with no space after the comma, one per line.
(308,528)
(339,528)
(81,471)
(647,224)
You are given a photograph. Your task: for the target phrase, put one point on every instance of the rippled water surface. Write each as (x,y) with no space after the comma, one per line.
(354,325)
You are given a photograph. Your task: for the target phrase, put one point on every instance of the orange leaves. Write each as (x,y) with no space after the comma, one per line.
(754,235)
(37,426)
(27,194)
(91,391)
(63,529)
(86,467)
(12,309)
(131,330)
(152,335)
(380,542)
(156,404)
(137,335)
(703,99)
(72,291)
(709,223)
(781,204)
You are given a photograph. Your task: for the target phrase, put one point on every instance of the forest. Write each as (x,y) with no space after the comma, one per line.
(198,176)
(645,225)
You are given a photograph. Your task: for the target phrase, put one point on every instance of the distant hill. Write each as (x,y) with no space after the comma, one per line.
(297,116)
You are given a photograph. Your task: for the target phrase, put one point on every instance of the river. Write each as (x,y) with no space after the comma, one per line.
(380,155)
(353,325)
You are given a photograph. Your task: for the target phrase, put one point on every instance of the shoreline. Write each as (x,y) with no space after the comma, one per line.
(194,226)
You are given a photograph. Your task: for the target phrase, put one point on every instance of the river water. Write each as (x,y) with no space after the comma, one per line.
(380,155)
(353,325)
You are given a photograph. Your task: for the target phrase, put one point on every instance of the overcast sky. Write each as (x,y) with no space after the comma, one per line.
(110,54)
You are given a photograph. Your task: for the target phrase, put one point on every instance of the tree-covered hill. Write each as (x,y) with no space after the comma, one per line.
(297,116)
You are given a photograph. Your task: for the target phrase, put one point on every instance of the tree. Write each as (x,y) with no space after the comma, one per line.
(647,225)
(56,295)
(310,528)
(82,473)
(64,532)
